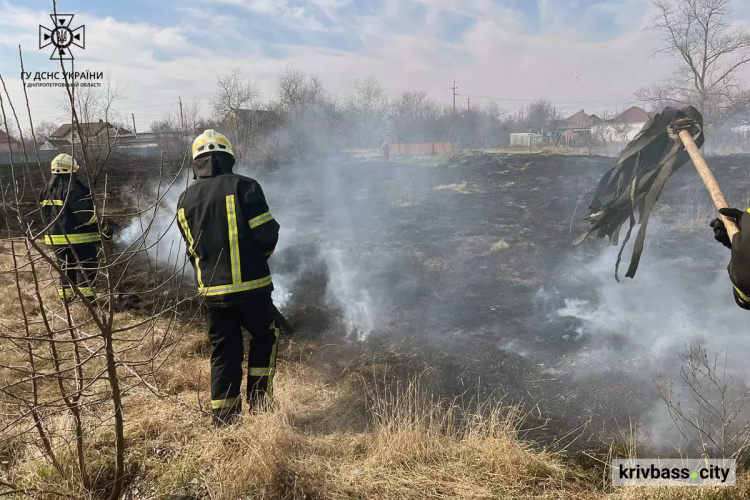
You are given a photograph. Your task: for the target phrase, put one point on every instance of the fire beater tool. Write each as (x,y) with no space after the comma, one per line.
(634,184)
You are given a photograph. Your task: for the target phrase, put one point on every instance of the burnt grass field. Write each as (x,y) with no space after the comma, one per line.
(467,262)
(459,269)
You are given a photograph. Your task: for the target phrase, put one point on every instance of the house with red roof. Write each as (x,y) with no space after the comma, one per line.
(623,127)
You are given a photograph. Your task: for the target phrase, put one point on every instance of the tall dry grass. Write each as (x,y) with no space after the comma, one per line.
(362,434)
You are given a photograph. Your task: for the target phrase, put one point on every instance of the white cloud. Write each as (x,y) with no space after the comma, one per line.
(170,37)
(500,56)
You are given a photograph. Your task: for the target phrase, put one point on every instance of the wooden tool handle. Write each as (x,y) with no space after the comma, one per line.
(709,180)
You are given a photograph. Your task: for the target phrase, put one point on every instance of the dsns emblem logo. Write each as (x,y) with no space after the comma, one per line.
(61,36)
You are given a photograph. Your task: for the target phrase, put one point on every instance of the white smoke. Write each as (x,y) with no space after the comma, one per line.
(680,297)
(154,230)
(348,291)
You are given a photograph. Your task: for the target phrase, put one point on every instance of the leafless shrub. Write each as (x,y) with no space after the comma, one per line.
(710,408)
(66,366)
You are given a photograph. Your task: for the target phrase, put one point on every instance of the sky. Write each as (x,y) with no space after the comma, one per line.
(579,54)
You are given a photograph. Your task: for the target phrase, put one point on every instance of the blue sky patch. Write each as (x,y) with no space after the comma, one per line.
(453,27)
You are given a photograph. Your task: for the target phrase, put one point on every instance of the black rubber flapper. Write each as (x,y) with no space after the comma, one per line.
(634,184)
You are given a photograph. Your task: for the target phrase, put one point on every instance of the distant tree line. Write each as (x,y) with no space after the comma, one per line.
(303,118)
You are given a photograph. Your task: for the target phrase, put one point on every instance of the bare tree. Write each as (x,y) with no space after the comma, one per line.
(43,131)
(310,120)
(234,96)
(366,107)
(176,131)
(542,116)
(708,51)
(234,92)
(298,90)
(94,106)
(414,117)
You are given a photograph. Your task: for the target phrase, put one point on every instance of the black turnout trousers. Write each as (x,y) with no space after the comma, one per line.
(80,264)
(225,326)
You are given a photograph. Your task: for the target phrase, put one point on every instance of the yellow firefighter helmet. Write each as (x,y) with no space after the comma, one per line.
(211,141)
(64,164)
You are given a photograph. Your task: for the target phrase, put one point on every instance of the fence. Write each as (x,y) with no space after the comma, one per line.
(18,158)
(526,140)
(417,148)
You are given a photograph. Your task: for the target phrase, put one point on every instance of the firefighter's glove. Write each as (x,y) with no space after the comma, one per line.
(739,265)
(720,232)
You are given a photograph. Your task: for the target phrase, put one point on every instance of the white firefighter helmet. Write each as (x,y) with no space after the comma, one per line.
(64,164)
(211,141)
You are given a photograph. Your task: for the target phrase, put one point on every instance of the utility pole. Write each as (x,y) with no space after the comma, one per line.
(468,104)
(182,118)
(134,129)
(454,95)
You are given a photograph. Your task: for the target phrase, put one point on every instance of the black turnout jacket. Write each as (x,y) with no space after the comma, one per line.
(68,211)
(229,232)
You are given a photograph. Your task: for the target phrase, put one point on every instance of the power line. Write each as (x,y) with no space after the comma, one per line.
(606,100)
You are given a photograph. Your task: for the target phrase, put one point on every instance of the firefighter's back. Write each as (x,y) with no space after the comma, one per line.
(214,214)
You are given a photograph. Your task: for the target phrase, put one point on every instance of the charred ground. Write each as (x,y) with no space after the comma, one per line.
(467,261)
(456,268)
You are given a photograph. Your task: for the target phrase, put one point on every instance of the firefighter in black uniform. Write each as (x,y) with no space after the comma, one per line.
(72,227)
(739,264)
(230,234)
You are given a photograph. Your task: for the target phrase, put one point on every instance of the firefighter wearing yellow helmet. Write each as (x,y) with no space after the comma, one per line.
(72,227)
(64,164)
(230,234)
(211,141)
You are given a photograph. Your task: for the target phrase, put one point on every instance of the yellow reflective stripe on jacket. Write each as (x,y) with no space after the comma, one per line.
(93,220)
(211,291)
(71,239)
(217,404)
(67,292)
(261,219)
(191,244)
(234,242)
(268,254)
(741,295)
(49,203)
(261,372)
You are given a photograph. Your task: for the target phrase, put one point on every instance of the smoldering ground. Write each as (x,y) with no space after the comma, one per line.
(466,264)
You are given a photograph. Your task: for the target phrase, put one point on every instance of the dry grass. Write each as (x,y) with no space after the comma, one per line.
(458,187)
(359,435)
(498,246)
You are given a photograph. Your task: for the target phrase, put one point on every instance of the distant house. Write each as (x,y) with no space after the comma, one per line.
(579,122)
(55,145)
(93,132)
(577,126)
(623,127)
(8,143)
